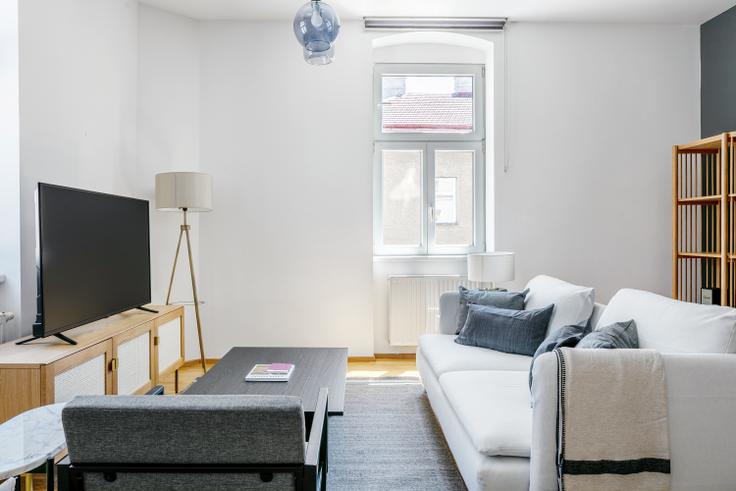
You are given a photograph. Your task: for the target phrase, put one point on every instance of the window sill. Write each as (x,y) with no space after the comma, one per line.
(420,258)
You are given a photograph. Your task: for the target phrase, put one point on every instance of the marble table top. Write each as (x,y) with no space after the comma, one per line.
(29,439)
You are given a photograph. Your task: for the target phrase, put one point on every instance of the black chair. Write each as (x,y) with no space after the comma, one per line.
(193,443)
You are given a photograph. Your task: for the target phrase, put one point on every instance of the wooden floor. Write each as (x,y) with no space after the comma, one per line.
(383,367)
(187,375)
(378,368)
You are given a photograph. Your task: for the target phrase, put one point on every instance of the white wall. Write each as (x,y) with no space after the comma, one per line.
(168,140)
(10,291)
(594,111)
(286,254)
(78,64)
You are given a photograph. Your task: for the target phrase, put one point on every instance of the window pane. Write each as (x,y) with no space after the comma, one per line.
(427,104)
(402,197)
(445,200)
(454,197)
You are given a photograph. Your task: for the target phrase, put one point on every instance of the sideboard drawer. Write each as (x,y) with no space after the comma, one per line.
(134,364)
(87,378)
(170,355)
(86,372)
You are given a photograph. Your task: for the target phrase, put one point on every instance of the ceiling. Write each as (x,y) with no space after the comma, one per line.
(614,11)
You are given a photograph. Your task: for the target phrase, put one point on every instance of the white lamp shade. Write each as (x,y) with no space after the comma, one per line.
(178,190)
(491,266)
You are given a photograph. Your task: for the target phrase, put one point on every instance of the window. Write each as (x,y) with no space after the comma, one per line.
(429,159)
(446,196)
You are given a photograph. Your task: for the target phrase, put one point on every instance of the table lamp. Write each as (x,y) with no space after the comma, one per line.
(491,268)
(185,192)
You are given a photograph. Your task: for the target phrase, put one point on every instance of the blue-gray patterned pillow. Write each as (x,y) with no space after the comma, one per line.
(621,335)
(494,298)
(564,337)
(510,331)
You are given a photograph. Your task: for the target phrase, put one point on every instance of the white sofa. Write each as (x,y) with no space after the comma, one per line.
(503,438)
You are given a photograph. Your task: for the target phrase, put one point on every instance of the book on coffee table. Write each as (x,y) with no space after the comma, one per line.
(270,372)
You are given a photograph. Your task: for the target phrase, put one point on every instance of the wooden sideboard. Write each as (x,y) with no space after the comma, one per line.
(122,354)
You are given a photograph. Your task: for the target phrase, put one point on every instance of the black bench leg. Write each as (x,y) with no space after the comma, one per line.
(50,474)
(324,451)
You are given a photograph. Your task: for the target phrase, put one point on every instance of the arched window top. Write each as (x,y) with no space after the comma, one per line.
(447,38)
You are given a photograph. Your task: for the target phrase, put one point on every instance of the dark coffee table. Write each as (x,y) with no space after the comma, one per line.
(314,368)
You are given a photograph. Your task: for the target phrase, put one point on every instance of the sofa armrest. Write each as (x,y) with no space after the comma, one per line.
(701,395)
(543,459)
(449,306)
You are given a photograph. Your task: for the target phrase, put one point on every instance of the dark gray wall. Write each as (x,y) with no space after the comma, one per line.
(718,74)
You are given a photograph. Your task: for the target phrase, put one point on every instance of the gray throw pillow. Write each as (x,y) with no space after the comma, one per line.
(622,335)
(510,331)
(503,300)
(564,337)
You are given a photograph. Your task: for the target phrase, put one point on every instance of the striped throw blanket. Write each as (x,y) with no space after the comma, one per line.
(612,420)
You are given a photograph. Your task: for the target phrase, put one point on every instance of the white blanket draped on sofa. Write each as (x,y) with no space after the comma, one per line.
(612,420)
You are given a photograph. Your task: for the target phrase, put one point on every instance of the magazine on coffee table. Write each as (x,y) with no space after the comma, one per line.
(270,372)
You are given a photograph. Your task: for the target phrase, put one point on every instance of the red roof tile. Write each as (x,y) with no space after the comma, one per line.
(429,112)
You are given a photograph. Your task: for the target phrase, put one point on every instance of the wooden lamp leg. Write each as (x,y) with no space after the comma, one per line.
(196,302)
(173,269)
(184,231)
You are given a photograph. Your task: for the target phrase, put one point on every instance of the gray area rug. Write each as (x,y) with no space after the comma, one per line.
(389,440)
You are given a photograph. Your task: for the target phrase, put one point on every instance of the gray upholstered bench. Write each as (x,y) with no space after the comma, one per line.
(226,442)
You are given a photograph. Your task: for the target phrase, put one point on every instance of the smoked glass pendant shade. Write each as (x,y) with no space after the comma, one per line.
(316,26)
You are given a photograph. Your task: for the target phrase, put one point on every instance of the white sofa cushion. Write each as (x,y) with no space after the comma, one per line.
(672,326)
(494,409)
(573,303)
(443,355)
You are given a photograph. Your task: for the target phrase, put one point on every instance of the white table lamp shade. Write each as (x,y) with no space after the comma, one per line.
(491,267)
(178,190)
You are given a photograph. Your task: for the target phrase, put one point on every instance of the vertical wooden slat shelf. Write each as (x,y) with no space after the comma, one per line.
(703,221)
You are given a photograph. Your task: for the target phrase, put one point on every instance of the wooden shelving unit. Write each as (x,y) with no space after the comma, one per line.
(704,218)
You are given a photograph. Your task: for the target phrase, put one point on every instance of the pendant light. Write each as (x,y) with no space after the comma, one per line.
(316,26)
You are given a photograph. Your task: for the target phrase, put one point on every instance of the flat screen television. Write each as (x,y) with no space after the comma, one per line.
(92,258)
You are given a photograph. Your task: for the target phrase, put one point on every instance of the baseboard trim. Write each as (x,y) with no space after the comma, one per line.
(378,356)
(396,356)
(353,359)
(197,362)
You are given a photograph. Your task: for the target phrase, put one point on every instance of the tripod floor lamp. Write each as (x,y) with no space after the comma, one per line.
(185,192)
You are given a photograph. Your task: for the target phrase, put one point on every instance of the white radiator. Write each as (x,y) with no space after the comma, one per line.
(414,305)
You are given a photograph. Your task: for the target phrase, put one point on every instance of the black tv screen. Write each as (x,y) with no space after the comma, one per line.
(93,257)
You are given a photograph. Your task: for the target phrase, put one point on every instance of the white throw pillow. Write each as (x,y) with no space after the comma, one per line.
(573,303)
(671,326)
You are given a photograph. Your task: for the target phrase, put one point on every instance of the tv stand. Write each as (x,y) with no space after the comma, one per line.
(58,335)
(127,353)
(146,309)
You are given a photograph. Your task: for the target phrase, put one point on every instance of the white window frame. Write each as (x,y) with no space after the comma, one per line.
(408,69)
(427,244)
(428,144)
(379,248)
